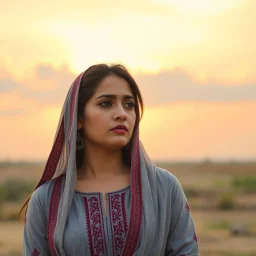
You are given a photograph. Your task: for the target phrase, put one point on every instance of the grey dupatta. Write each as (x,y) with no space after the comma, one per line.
(145,214)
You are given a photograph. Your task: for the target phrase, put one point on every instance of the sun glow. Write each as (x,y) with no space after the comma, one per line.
(88,45)
(85,44)
(197,6)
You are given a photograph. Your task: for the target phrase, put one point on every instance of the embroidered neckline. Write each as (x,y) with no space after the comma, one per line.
(107,193)
(95,226)
(118,222)
(95,223)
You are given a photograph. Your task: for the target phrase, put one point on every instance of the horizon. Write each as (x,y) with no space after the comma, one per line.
(194,64)
(161,161)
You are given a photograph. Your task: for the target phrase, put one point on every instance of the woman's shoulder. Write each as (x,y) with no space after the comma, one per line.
(165,175)
(46,187)
(166,178)
(42,194)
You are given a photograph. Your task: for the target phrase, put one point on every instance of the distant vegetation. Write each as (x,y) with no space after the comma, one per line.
(247,183)
(14,190)
(226,201)
(221,195)
(13,253)
(221,225)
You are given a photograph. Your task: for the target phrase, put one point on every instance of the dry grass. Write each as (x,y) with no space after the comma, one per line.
(206,178)
(23,171)
(11,236)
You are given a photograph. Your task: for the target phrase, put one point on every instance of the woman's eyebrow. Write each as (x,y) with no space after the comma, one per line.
(114,96)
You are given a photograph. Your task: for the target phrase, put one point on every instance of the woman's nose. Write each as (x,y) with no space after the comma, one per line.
(120,112)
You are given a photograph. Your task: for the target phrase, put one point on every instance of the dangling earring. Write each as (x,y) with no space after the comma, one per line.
(79,141)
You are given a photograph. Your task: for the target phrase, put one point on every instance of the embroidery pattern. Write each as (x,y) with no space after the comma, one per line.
(35,252)
(75,87)
(124,213)
(195,237)
(53,159)
(54,204)
(136,202)
(118,222)
(187,206)
(95,226)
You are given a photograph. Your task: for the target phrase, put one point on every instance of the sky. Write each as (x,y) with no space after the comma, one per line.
(194,62)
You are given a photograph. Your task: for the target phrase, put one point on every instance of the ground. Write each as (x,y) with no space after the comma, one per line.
(203,184)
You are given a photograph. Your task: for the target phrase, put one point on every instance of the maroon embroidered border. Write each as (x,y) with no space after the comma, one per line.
(103,227)
(54,156)
(136,202)
(53,212)
(95,227)
(124,212)
(73,96)
(53,159)
(187,206)
(35,252)
(73,99)
(88,225)
(118,222)
(195,238)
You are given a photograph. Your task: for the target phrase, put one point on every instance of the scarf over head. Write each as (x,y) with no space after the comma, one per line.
(143,214)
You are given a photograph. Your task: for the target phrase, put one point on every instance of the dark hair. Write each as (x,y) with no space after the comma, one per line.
(90,81)
(89,84)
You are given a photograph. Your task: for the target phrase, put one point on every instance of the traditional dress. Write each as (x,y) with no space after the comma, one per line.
(151,217)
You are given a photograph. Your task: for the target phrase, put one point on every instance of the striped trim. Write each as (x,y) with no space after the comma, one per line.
(54,157)
(95,225)
(124,212)
(73,101)
(53,213)
(136,202)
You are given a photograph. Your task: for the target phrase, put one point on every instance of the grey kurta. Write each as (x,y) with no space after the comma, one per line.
(89,232)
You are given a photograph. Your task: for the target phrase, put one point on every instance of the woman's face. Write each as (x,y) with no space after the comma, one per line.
(112,104)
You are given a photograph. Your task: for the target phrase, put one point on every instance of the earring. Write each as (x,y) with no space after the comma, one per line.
(79,141)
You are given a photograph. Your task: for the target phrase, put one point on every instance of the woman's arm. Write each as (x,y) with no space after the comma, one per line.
(35,229)
(182,240)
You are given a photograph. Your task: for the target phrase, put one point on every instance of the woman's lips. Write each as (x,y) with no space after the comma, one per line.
(119,131)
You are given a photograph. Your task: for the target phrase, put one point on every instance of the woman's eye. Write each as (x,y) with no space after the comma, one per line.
(105,104)
(129,105)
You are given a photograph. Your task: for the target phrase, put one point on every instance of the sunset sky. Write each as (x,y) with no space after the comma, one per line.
(194,61)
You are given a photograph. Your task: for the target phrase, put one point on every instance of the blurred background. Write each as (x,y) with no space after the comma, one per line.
(194,61)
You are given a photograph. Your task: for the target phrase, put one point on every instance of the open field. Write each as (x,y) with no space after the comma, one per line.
(205,185)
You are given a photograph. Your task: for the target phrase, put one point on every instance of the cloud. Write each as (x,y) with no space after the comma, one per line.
(44,87)
(45,72)
(14,105)
(12,112)
(177,85)
(48,85)
(7,85)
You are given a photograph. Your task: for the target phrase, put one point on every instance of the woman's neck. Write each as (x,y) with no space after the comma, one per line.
(101,163)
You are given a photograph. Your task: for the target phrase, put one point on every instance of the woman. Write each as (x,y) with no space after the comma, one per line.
(100,194)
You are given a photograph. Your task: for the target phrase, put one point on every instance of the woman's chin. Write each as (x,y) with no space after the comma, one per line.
(118,144)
